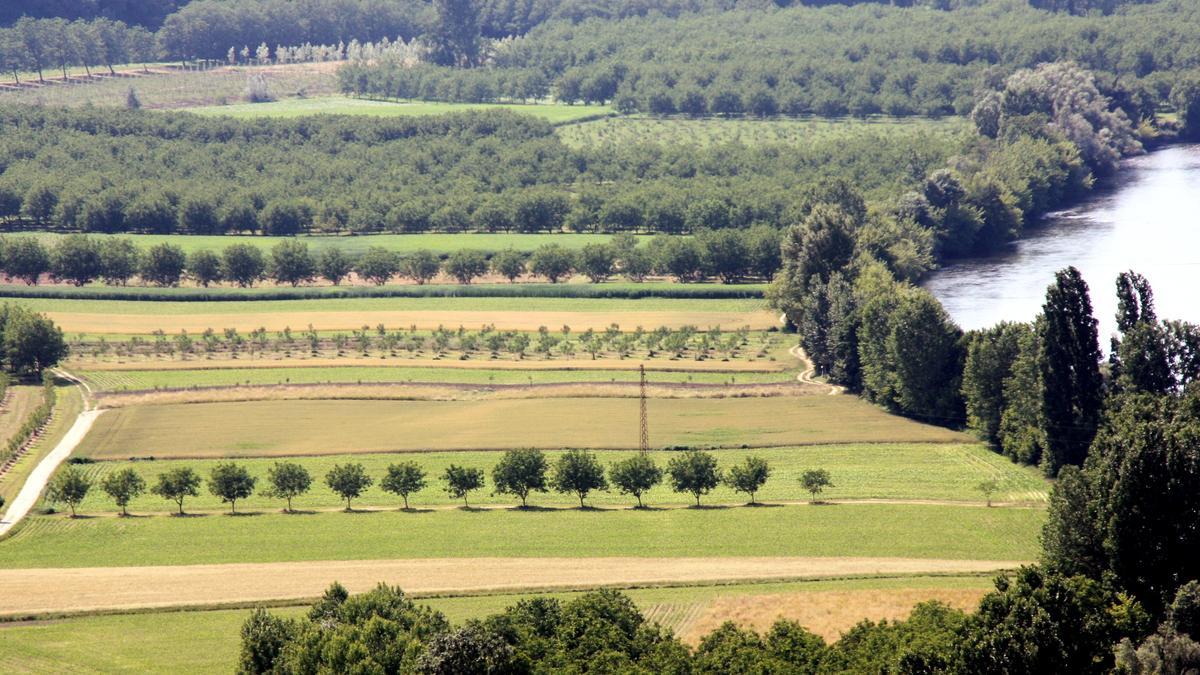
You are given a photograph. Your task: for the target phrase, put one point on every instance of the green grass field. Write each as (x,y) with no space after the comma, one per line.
(344,105)
(69,404)
(327,427)
(748,131)
(402,243)
(885,471)
(207,641)
(131,380)
(887,530)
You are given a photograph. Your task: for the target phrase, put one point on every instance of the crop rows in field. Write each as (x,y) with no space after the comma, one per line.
(703,132)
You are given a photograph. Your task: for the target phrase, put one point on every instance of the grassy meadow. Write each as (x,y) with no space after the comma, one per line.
(325,427)
(207,641)
(344,105)
(892,471)
(68,405)
(855,530)
(133,380)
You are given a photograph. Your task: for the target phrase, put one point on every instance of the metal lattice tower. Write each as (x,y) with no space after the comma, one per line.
(645,427)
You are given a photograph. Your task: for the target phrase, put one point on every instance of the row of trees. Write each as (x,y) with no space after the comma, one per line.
(1075,632)
(518,473)
(33,45)
(729,255)
(486,171)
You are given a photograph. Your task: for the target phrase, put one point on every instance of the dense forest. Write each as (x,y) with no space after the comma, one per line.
(858,60)
(133,171)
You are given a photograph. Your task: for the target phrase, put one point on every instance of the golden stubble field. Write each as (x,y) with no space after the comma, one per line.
(318,427)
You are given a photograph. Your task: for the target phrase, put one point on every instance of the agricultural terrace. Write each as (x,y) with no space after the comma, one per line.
(343,105)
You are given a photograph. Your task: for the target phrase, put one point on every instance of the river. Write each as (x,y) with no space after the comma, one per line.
(1146,219)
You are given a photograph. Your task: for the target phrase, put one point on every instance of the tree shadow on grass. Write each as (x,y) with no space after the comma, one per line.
(709,507)
(189,515)
(244,514)
(359,512)
(81,516)
(761,505)
(532,508)
(299,512)
(822,502)
(413,509)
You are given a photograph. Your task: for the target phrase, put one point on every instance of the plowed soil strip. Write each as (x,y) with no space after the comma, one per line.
(36,591)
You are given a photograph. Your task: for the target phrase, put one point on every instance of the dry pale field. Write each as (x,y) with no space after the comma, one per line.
(43,591)
(826,613)
(126,324)
(436,391)
(532,362)
(320,427)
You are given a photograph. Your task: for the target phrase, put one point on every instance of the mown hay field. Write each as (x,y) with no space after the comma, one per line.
(119,317)
(941,471)
(846,530)
(345,105)
(208,641)
(323,427)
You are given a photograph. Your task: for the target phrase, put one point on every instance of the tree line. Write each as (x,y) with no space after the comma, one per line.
(728,255)
(518,473)
(865,60)
(683,342)
(487,171)
(32,45)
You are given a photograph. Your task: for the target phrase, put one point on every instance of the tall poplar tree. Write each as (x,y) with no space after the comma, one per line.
(1072,391)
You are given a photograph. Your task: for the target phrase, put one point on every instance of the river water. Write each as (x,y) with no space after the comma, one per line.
(1146,219)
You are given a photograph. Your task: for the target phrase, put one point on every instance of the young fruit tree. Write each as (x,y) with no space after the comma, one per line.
(988,488)
(815,481)
(70,487)
(348,481)
(403,479)
(749,476)
(177,484)
(579,472)
(287,480)
(461,481)
(123,487)
(695,472)
(520,472)
(231,482)
(635,476)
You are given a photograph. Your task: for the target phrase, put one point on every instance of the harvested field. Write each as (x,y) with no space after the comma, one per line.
(301,361)
(316,427)
(135,324)
(36,591)
(21,401)
(826,613)
(207,641)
